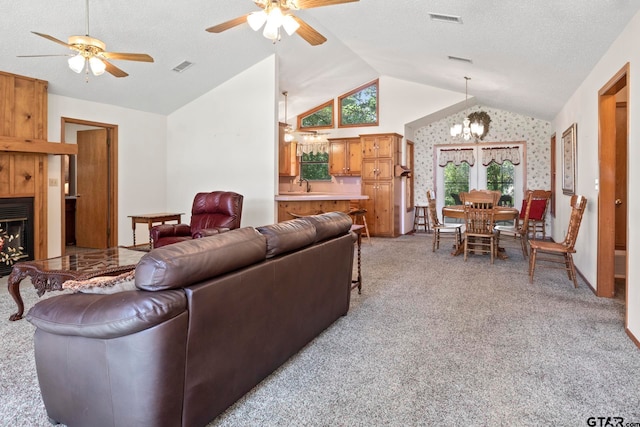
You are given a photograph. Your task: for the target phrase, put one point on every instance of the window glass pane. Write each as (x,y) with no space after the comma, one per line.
(315,167)
(360,107)
(321,118)
(501,178)
(456,180)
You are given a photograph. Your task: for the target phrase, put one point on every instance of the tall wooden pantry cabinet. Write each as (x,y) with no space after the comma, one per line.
(380,152)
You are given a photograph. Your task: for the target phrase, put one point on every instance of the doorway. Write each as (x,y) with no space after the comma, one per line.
(89,214)
(613,120)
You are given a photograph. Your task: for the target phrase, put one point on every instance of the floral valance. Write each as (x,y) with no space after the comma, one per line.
(456,156)
(500,154)
(309,147)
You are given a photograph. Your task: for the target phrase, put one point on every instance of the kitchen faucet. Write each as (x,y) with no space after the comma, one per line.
(308,184)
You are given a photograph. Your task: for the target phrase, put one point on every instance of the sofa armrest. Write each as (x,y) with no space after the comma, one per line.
(169,230)
(106,316)
(208,232)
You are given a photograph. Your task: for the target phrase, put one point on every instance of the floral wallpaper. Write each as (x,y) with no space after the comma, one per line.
(505,126)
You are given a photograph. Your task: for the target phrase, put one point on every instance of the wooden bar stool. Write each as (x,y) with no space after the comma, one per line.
(359,218)
(421,219)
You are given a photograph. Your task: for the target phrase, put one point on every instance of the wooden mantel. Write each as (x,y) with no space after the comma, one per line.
(16,145)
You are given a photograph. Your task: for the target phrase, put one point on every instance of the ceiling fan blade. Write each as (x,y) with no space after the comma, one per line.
(53,39)
(305,31)
(308,4)
(229,24)
(39,56)
(142,57)
(112,69)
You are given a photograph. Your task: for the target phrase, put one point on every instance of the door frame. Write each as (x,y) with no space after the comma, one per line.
(112,135)
(606,194)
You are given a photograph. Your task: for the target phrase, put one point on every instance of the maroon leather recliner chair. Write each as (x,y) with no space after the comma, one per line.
(212,213)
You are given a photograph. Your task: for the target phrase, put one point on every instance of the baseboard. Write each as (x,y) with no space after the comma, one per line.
(586,281)
(632,337)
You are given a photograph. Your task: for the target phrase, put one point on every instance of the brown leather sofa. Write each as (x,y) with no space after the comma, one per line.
(210,319)
(211,214)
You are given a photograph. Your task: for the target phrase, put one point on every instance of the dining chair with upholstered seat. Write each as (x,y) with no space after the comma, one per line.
(479,215)
(561,252)
(538,214)
(440,229)
(520,228)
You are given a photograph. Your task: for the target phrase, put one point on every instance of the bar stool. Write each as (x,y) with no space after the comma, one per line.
(421,219)
(358,215)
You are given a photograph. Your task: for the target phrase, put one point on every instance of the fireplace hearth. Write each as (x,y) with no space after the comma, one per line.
(16,232)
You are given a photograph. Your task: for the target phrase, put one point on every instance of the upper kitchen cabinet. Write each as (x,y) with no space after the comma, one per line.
(287,157)
(380,145)
(345,157)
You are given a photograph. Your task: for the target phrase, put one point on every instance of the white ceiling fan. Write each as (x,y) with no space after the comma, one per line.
(90,53)
(275,14)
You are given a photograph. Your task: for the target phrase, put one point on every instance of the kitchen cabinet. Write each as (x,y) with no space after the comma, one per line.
(380,145)
(287,156)
(345,157)
(380,153)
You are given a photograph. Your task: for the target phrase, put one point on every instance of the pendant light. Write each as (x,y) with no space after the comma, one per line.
(467,130)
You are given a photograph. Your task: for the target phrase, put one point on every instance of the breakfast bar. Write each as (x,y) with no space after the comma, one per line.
(301,204)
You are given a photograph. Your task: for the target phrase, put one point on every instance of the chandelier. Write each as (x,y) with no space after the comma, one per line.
(272,18)
(467,130)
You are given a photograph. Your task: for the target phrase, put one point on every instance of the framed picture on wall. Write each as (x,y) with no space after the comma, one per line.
(569,140)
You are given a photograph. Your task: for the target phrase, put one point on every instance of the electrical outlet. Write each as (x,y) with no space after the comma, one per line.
(53,182)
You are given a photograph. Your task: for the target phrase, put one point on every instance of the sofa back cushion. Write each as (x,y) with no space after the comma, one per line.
(185,263)
(288,236)
(330,224)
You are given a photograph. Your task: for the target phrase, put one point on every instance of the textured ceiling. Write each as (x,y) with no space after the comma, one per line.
(527,57)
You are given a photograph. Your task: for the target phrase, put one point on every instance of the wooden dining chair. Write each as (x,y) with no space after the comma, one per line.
(560,252)
(520,228)
(538,214)
(442,230)
(479,213)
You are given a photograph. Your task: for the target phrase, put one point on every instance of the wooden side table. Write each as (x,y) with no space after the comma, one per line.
(151,219)
(50,274)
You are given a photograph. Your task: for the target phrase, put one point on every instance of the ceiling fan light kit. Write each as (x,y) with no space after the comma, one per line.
(274,15)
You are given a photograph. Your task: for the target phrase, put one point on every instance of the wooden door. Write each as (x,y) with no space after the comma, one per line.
(369,147)
(385,145)
(92,208)
(621,176)
(384,208)
(354,164)
(369,189)
(338,157)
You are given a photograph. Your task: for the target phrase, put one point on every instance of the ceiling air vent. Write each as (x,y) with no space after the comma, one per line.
(445,18)
(182,66)
(457,58)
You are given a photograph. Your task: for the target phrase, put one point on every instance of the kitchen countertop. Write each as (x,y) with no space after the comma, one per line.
(300,196)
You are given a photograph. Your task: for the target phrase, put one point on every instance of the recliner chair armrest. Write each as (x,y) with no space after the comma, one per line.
(208,232)
(169,230)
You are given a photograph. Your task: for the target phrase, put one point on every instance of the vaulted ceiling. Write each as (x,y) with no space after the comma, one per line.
(527,57)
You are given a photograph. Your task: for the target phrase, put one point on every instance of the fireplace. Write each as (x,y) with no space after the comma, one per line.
(16,232)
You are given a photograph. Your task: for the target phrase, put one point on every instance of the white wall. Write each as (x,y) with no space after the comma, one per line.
(227,140)
(141,163)
(582,108)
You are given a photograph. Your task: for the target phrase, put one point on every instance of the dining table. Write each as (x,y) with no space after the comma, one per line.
(503,213)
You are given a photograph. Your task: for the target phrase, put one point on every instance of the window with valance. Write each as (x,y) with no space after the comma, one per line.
(500,154)
(456,156)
